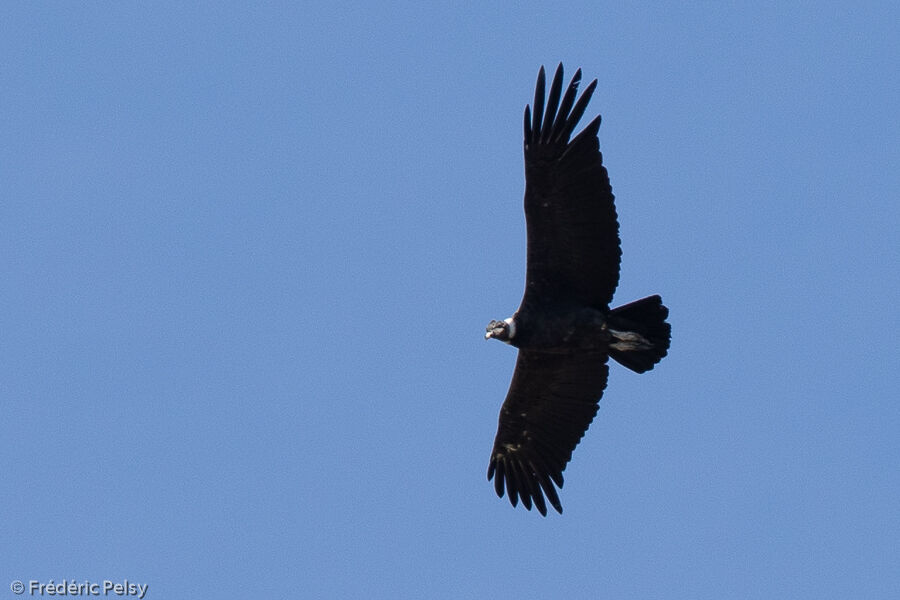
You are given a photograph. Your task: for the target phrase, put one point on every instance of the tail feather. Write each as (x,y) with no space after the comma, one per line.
(640,334)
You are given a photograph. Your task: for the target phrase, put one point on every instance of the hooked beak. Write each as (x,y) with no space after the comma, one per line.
(493,331)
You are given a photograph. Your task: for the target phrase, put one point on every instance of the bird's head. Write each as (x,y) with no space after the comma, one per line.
(501,330)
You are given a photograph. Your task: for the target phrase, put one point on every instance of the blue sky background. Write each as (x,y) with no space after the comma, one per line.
(247,256)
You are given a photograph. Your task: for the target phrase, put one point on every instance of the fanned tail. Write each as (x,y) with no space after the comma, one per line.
(640,334)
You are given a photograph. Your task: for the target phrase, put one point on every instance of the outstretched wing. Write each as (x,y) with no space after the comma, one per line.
(551,402)
(573,234)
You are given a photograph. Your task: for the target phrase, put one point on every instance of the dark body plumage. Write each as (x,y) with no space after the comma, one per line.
(564,329)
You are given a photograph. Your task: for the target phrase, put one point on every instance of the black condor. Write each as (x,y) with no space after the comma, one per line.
(564,328)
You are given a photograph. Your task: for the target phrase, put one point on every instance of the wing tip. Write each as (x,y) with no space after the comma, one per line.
(528,484)
(546,120)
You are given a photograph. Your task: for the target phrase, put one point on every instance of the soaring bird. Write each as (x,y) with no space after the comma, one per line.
(564,329)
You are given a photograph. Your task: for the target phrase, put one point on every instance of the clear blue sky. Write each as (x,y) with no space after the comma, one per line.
(247,256)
